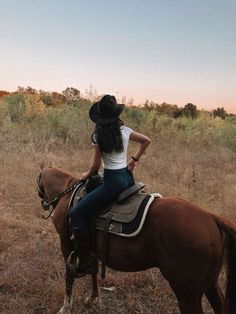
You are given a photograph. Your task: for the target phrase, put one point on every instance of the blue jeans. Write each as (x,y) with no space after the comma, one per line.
(115,181)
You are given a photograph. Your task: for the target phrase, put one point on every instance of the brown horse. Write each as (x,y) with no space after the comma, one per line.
(188,245)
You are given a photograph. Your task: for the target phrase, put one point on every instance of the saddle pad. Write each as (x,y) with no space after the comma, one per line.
(125,218)
(125,211)
(132,228)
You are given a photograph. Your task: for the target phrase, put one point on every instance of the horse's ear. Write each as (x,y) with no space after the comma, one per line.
(42,165)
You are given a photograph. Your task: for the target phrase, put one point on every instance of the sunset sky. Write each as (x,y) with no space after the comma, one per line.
(174,51)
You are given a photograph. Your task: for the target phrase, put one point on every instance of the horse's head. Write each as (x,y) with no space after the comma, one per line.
(40,187)
(54,186)
(51,183)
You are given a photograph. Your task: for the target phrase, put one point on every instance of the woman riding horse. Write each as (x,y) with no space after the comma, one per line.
(110,141)
(187,243)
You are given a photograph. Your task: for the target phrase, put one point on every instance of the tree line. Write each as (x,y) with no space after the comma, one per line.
(72,96)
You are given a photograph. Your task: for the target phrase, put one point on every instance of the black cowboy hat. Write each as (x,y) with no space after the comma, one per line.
(106,111)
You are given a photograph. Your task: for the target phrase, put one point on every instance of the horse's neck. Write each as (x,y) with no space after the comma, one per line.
(58,183)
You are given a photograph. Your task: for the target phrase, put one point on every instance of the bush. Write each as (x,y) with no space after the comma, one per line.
(14,107)
(134,116)
(70,124)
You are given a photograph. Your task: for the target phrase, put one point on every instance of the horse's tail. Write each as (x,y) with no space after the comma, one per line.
(229,230)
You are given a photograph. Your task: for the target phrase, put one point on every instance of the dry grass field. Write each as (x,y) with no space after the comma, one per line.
(31,265)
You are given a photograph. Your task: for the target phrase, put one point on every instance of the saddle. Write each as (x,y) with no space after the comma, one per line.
(125,217)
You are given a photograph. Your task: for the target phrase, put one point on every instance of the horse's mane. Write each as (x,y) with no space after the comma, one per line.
(58,174)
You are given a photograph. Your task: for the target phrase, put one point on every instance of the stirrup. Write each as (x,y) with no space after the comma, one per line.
(72,264)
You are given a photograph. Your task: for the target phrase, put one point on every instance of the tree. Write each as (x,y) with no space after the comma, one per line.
(46,98)
(27,90)
(130,102)
(30,90)
(71,94)
(178,112)
(190,110)
(219,112)
(91,94)
(34,106)
(3,93)
(58,100)
(20,90)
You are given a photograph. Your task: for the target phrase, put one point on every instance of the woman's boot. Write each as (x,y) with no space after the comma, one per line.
(81,262)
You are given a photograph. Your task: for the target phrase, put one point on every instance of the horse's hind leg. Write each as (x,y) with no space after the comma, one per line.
(67,306)
(215,298)
(189,303)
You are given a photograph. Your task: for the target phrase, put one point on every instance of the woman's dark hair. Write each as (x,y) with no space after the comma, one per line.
(109,137)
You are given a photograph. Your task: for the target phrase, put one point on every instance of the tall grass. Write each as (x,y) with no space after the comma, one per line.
(190,158)
(70,124)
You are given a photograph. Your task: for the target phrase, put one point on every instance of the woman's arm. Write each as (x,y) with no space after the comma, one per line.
(95,165)
(144,142)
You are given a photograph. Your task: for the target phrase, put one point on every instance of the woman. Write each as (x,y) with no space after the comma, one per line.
(110,141)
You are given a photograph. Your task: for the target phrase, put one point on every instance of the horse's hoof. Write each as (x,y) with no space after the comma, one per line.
(64,311)
(67,306)
(92,301)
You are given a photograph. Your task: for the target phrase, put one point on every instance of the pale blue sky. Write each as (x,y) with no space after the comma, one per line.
(177,51)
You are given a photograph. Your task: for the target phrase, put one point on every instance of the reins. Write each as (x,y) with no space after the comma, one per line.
(47,204)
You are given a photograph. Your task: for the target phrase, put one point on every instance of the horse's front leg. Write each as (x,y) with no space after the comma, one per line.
(67,306)
(94,299)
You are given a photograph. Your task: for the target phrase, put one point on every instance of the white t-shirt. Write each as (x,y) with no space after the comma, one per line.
(117,160)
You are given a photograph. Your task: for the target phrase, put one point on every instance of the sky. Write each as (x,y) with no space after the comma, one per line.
(173,51)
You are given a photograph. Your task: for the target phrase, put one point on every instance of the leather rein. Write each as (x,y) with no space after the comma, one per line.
(47,204)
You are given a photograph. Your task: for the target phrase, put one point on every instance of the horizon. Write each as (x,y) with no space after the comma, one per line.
(176,52)
(140,104)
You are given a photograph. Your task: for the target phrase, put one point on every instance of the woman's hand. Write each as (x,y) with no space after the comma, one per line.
(84,176)
(131,164)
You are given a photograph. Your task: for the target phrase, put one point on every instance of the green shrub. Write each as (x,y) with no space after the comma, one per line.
(26,121)
(14,106)
(135,117)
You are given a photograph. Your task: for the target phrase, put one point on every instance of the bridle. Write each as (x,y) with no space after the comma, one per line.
(51,204)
